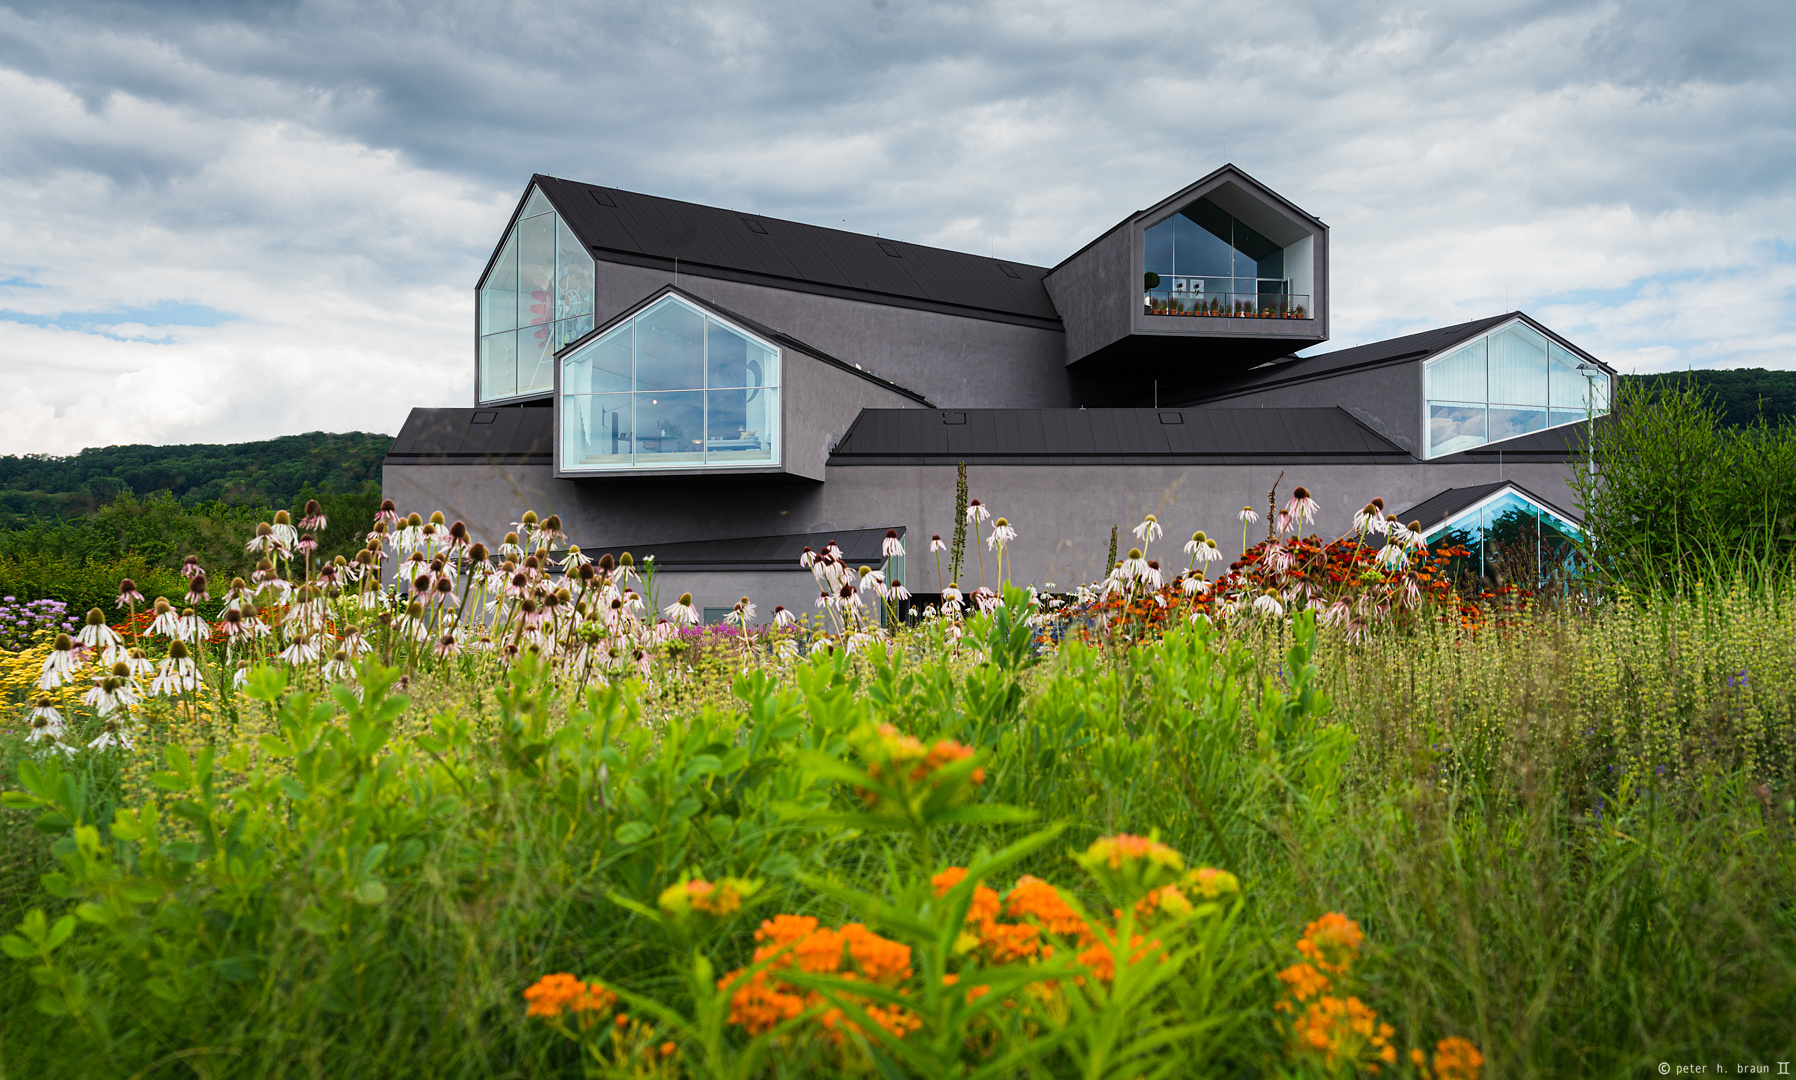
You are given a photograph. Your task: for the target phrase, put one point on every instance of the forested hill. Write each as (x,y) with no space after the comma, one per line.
(273,472)
(1740,393)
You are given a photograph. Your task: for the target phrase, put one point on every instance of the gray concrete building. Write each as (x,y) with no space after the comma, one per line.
(720,390)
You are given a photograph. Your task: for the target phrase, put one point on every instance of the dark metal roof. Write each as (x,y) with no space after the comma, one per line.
(648,230)
(1107,436)
(1432,511)
(755,552)
(768,332)
(1370,355)
(474,436)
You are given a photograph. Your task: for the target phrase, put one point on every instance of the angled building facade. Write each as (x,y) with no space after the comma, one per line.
(720,390)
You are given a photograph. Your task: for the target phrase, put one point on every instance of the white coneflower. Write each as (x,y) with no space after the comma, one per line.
(1284,522)
(744,613)
(337,668)
(175,673)
(1394,557)
(96,634)
(785,649)
(898,591)
(388,514)
(807,558)
(1210,553)
(951,598)
(868,578)
(1302,509)
(1278,559)
(977,513)
(1135,566)
(196,590)
(1149,530)
(548,533)
(300,650)
(1339,613)
(190,626)
(45,722)
(230,624)
(1267,604)
(891,547)
(783,618)
(681,612)
(1195,544)
(111,692)
(1152,575)
(241,677)
(190,567)
(986,600)
(1193,586)
(1002,533)
(163,619)
(116,732)
(1247,515)
(937,544)
(1412,592)
(574,559)
(312,517)
(1413,538)
(1368,520)
(447,646)
(847,599)
(128,596)
(823,601)
(1394,530)
(137,664)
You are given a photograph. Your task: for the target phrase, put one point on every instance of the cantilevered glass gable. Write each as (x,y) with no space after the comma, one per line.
(1508,382)
(1509,538)
(672,387)
(537,297)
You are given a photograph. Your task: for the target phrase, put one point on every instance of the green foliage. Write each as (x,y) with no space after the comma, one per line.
(1673,496)
(1742,395)
(359,885)
(958,549)
(274,472)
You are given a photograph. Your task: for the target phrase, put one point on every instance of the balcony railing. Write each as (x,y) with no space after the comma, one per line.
(1227,305)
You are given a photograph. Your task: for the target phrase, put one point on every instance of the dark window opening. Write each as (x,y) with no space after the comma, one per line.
(890,249)
(603,199)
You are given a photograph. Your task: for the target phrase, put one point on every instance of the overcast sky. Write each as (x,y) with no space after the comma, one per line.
(225,221)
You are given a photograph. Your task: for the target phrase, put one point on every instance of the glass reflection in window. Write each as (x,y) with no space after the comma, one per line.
(537,297)
(1509,382)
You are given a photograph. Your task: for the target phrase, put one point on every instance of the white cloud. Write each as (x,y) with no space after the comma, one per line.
(330,175)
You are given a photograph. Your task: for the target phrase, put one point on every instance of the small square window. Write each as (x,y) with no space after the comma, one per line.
(954,418)
(890,249)
(1172,418)
(483,418)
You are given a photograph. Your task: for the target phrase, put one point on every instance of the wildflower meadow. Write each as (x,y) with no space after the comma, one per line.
(1330,809)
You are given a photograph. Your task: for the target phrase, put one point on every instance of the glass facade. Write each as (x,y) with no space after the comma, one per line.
(1203,261)
(1510,539)
(671,387)
(1509,382)
(537,298)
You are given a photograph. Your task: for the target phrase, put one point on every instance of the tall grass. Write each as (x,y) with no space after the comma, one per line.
(1567,838)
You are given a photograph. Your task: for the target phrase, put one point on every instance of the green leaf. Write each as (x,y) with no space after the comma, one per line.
(634,832)
(17,947)
(60,931)
(159,988)
(313,920)
(95,913)
(274,747)
(371,893)
(266,683)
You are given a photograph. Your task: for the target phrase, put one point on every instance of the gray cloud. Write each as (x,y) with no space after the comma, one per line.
(333,174)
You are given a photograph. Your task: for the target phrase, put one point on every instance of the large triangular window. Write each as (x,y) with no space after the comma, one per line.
(1509,382)
(672,387)
(537,297)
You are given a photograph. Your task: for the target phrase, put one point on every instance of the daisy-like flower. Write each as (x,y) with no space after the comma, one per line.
(1267,604)
(45,723)
(785,649)
(175,673)
(164,618)
(241,677)
(1135,566)
(1368,520)
(1002,533)
(1413,537)
(96,634)
(112,692)
(937,544)
(388,514)
(128,596)
(783,618)
(1395,531)
(898,591)
(1192,586)
(511,547)
(742,615)
(115,733)
(447,646)
(823,601)
(190,567)
(303,649)
(574,560)
(681,612)
(354,643)
(138,664)
(1301,508)
(1149,530)
(807,558)
(337,668)
(977,513)
(307,544)
(312,517)
(848,599)
(190,626)
(951,598)
(264,540)
(1152,576)
(1247,515)
(1394,557)
(891,547)
(1195,544)
(549,532)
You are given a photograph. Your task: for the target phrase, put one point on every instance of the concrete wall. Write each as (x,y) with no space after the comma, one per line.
(1092,291)
(950,359)
(1063,513)
(820,402)
(1386,399)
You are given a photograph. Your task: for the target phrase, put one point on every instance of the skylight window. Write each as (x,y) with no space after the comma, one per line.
(537,298)
(672,387)
(1510,382)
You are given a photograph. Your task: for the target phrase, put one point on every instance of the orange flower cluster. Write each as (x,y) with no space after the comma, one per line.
(551,995)
(761,1001)
(893,758)
(717,899)
(1117,851)
(1455,1058)
(1324,1021)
